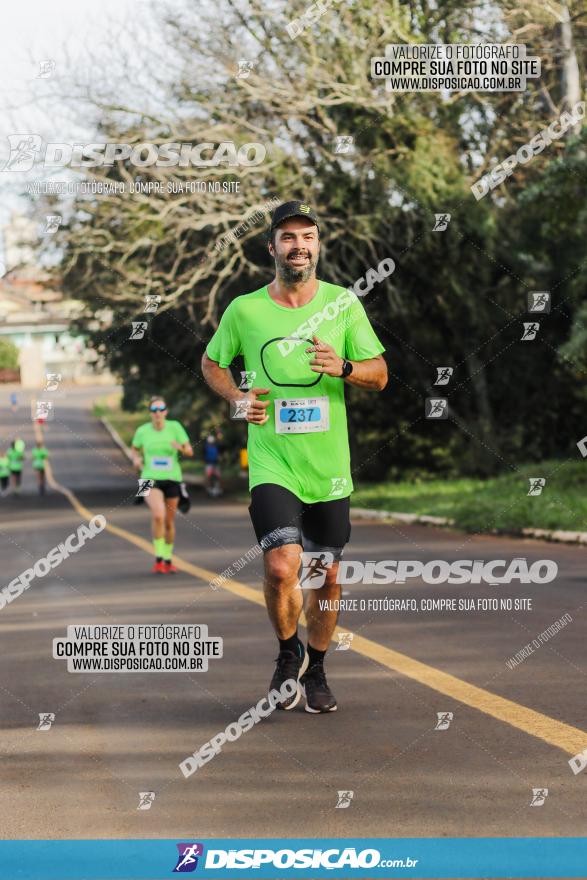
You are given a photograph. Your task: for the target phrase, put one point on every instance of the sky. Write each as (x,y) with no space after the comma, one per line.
(61,32)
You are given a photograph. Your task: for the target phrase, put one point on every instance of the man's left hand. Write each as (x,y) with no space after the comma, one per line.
(325,359)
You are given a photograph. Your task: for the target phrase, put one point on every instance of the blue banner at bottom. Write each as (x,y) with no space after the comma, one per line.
(302,858)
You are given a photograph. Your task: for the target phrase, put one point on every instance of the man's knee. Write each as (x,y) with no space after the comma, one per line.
(282,564)
(331,579)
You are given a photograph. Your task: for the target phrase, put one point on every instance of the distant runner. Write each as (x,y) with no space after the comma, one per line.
(155,449)
(4,474)
(16,454)
(303,339)
(39,457)
(13,401)
(211,461)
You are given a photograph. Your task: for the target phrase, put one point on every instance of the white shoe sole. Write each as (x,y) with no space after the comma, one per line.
(315,711)
(298,696)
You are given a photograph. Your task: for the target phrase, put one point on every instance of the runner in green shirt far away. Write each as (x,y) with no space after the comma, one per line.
(16,453)
(39,455)
(155,449)
(4,473)
(302,340)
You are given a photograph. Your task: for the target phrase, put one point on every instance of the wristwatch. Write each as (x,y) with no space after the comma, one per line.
(347,369)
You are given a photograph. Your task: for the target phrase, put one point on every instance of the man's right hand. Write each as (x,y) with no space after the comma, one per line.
(256,414)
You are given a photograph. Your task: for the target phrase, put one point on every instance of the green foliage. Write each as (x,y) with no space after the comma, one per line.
(457,298)
(8,355)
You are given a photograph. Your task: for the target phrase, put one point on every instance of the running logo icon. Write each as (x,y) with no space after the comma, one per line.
(444,720)
(539,301)
(44,409)
(344,641)
(530,331)
(46,719)
(339,484)
(46,68)
(145,487)
(239,408)
(138,329)
(537,484)
(52,381)
(247,379)
(244,68)
(52,223)
(343,143)
(344,800)
(436,408)
(146,799)
(187,859)
(23,149)
(441,222)
(539,795)
(444,375)
(314,569)
(152,301)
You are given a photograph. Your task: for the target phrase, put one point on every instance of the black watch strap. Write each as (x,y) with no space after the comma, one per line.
(347,369)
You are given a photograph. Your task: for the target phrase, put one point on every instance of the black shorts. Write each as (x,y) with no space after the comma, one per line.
(170,488)
(279,517)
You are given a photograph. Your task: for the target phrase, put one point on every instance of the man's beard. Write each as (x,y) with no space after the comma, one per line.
(290,275)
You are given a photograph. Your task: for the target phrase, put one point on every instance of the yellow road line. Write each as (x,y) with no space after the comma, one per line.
(568,739)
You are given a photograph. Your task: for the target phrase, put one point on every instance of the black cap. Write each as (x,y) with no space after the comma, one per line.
(293,209)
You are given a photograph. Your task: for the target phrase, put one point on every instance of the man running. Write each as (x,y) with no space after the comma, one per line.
(39,455)
(304,339)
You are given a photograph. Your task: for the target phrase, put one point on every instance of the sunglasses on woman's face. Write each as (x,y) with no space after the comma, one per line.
(157,408)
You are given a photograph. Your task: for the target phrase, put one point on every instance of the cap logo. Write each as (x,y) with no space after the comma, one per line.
(305,209)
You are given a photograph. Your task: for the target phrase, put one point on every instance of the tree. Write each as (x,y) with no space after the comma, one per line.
(457,298)
(8,355)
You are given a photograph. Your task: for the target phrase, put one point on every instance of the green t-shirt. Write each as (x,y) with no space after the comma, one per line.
(4,466)
(15,459)
(39,455)
(161,460)
(314,465)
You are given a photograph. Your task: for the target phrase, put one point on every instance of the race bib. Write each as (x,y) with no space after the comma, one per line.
(302,415)
(161,463)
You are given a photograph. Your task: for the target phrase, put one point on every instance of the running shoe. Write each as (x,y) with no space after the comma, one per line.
(159,568)
(319,697)
(289,665)
(170,568)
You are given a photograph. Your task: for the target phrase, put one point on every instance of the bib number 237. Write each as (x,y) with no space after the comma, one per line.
(301,415)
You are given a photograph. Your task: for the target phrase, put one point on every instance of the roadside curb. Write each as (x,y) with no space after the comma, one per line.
(188,478)
(557,535)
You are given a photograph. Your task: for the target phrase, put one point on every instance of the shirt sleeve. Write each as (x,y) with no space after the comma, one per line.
(226,342)
(137,440)
(181,433)
(360,341)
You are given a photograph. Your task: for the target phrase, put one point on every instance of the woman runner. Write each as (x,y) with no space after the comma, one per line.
(155,449)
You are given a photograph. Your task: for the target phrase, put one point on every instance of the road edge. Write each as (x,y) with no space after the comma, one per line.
(557,535)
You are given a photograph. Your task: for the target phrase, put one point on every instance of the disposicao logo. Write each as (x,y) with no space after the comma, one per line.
(187,859)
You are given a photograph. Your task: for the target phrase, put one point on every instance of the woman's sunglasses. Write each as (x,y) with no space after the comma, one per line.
(157,408)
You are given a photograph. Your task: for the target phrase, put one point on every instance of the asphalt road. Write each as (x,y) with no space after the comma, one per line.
(118,734)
